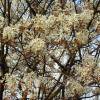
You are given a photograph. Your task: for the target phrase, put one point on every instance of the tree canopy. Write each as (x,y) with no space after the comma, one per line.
(49,49)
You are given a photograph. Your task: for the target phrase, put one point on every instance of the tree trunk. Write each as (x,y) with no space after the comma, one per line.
(1,90)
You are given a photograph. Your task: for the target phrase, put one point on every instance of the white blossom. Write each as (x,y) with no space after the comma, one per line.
(37,45)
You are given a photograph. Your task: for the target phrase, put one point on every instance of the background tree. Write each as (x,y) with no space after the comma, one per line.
(49,49)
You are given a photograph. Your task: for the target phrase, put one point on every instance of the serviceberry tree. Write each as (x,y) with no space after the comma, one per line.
(49,49)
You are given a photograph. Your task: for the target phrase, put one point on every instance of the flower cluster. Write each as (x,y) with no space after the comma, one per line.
(97,74)
(74,88)
(11,82)
(85,72)
(36,45)
(39,23)
(10,32)
(82,36)
(12,59)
